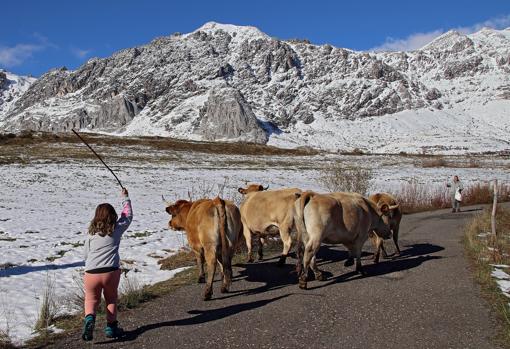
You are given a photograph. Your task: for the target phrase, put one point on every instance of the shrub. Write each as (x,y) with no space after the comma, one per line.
(351,179)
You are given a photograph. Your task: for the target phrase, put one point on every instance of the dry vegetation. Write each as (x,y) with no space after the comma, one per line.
(414,197)
(485,249)
(440,161)
(27,145)
(338,178)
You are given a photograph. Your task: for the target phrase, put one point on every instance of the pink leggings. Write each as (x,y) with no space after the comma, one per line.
(94,284)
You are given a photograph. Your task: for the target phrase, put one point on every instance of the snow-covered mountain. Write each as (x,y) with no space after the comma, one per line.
(232,82)
(11,88)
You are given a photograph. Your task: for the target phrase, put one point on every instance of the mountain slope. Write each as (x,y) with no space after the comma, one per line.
(449,96)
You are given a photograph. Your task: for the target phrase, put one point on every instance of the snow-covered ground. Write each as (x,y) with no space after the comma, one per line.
(45,208)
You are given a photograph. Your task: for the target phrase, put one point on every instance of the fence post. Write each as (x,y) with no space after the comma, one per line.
(494,204)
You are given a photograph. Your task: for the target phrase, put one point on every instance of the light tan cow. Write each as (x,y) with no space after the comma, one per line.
(213,228)
(335,218)
(265,213)
(385,202)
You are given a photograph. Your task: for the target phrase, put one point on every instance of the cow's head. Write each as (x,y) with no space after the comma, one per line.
(179,212)
(252,188)
(382,226)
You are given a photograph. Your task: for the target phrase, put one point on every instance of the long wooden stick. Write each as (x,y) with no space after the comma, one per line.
(96,154)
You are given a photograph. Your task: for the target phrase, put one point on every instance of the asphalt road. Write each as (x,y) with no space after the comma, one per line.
(426,298)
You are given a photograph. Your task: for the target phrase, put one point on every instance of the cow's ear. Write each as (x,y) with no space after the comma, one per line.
(241,190)
(172,209)
(261,188)
(385,209)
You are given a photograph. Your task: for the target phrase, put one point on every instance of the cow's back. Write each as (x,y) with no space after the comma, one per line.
(268,206)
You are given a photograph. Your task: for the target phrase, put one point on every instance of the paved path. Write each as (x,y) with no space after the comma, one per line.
(425,299)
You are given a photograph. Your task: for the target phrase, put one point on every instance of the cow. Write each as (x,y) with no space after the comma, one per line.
(252,188)
(385,202)
(266,213)
(213,227)
(336,218)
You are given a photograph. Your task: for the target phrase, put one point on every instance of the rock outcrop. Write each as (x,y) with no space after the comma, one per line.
(226,115)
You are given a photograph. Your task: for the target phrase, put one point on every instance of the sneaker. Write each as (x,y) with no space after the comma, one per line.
(88,327)
(112,330)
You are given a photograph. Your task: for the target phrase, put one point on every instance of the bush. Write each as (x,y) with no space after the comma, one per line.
(351,179)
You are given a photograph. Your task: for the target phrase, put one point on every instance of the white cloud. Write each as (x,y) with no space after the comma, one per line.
(16,55)
(418,40)
(11,56)
(412,42)
(80,53)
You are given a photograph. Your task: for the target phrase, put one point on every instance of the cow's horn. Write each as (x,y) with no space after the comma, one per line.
(266,188)
(393,207)
(168,203)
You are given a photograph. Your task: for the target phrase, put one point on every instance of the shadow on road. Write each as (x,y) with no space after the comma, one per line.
(201,316)
(412,257)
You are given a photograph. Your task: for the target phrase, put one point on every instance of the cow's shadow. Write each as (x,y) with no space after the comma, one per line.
(411,257)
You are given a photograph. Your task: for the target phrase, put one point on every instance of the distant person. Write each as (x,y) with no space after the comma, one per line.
(102,265)
(456,188)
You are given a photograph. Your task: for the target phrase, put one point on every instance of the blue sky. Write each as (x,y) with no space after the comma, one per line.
(38,35)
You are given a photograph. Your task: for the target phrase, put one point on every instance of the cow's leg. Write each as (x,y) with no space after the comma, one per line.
(378,245)
(310,250)
(350,259)
(357,254)
(384,253)
(260,250)
(318,273)
(226,267)
(299,257)
(210,259)
(287,243)
(247,237)
(395,239)
(199,255)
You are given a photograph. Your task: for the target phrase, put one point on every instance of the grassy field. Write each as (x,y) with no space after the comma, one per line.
(485,250)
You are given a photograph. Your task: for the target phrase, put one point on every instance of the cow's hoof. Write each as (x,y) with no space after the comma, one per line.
(349,262)
(201,280)
(207,296)
(302,285)
(281,261)
(320,277)
(361,271)
(249,260)
(261,258)
(224,289)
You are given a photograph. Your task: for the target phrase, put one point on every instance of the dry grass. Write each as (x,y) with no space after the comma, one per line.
(352,179)
(415,197)
(29,145)
(434,162)
(485,249)
(183,258)
(49,307)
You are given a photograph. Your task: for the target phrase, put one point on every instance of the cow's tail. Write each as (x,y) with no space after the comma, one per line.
(223,226)
(302,199)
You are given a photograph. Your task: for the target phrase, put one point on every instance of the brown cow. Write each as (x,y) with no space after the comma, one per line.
(335,218)
(386,201)
(212,228)
(266,213)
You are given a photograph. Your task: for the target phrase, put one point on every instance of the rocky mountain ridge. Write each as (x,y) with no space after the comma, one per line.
(231,82)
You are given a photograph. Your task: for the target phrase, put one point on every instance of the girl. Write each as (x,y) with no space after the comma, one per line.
(102,265)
